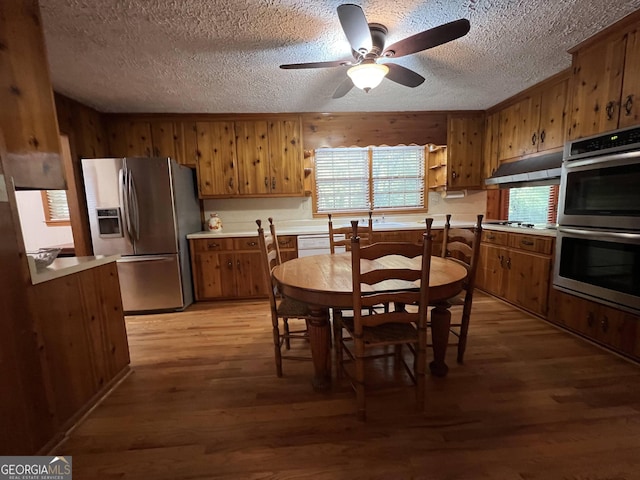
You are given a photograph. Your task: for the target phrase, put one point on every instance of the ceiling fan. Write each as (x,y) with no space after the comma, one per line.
(367,46)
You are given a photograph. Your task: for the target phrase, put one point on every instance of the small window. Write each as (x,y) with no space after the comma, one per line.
(56,209)
(533,204)
(374,178)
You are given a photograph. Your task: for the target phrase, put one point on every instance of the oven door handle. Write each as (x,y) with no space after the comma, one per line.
(599,233)
(611,159)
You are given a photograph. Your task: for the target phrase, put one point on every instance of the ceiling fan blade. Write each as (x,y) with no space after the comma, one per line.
(337,63)
(404,76)
(345,86)
(429,38)
(355,27)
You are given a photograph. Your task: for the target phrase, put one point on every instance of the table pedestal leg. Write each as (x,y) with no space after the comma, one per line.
(440,323)
(320,339)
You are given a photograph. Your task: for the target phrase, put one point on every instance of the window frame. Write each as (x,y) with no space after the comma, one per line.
(48,217)
(370,149)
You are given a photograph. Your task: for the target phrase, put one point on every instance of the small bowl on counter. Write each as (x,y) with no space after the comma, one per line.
(43,257)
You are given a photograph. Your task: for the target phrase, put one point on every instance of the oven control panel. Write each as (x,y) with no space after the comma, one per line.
(619,140)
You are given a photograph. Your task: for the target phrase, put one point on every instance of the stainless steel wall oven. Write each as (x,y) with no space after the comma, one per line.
(598,241)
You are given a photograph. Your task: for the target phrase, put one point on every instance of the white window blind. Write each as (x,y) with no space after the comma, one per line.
(357,179)
(398,177)
(342,179)
(533,204)
(58,209)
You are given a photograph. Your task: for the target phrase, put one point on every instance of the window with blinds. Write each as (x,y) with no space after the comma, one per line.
(377,178)
(56,209)
(533,204)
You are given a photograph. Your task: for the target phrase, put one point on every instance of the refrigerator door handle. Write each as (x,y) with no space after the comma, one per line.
(121,194)
(143,258)
(133,208)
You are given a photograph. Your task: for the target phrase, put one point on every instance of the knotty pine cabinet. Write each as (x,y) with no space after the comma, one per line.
(517,268)
(253,158)
(490,154)
(534,124)
(228,268)
(136,138)
(413,236)
(464,150)
(606,83)
(459,163)
(603,324)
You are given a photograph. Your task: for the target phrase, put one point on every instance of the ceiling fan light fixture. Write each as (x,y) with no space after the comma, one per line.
(367,75)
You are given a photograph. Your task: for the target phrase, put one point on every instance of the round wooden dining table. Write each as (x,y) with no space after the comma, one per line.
(324,282)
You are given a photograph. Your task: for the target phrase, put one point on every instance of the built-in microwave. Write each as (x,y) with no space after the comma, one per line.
(600,182)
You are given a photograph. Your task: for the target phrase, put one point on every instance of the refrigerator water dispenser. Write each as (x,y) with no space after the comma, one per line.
(109,222)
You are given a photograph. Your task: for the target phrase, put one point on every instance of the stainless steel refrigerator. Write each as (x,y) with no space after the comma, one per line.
(142,209)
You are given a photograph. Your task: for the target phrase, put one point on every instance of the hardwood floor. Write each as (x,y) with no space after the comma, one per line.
(203,401)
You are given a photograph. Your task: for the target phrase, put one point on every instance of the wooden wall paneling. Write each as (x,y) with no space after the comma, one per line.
(217,164)
(25,84)
(26,423)
(129,138)
(102,303)
(364,129)
(630,99)
(65,353)
(285,157)
(252,150)
(76,201)
(493,204)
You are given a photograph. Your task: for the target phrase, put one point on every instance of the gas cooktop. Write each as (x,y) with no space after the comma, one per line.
(516,224)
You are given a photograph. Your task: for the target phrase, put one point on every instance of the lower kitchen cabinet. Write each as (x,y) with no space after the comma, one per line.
(517,268)
(228,268)
(414,236)
(603,324)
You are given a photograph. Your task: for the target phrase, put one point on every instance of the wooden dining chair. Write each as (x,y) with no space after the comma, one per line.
(282,308)
(341,236)
(366,332)
(463,246)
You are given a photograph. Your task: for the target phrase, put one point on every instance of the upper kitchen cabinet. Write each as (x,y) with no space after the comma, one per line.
(490,159)
(141,138)
(535,123)
(464,150)
(217,164)
(605,78)
(254,158)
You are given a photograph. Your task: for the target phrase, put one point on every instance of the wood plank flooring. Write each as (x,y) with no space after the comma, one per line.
(203,401)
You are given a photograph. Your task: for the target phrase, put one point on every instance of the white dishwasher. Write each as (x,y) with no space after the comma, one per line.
(316,244)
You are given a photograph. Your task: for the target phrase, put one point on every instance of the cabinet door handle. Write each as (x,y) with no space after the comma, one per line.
(604,323)
(491,237)
(454,175)
(252,244)
(590,319)
(509,263)
(266,182)
(543,134)
(628,105)
(273,183)
(610,108)
(230,264)
(501,260)
(231,183)
(528,243)
(213,245)
(534,138)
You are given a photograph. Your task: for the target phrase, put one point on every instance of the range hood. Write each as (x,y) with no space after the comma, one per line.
(528,172)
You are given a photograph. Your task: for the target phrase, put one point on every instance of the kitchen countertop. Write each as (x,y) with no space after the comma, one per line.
(66,266)
(317,227)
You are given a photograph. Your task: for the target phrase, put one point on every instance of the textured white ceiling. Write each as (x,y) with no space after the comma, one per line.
(219,56)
